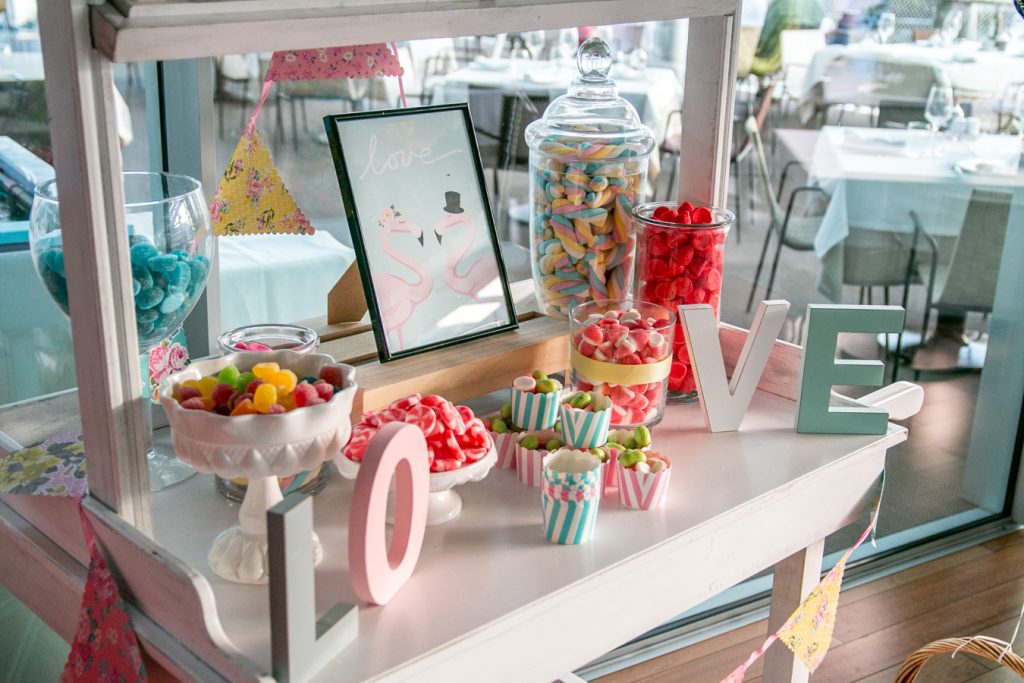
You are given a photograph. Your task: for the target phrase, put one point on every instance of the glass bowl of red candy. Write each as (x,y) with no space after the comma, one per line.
(623,350)
(680,257)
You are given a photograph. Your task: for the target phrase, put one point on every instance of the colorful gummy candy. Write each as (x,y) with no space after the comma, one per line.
(582,235)
(589,401)
(455,437)
(624,338)
(647,462)
(681,265)
(537,383)
(501,423)
(267,389)
(165,285)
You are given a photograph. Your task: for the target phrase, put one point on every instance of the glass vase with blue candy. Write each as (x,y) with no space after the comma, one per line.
(171,244)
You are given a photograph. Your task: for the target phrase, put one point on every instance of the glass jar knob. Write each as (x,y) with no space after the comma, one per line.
(594,60)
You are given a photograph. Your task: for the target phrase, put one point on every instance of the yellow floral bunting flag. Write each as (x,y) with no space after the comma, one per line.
(808,632)
(251,198)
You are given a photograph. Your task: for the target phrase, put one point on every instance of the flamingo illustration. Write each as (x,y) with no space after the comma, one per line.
(397,297)
(481,272)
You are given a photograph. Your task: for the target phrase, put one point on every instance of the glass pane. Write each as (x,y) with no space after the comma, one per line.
(506,79)
(35,337)
(910,142)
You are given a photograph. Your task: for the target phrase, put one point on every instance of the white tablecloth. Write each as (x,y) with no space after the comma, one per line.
(875,181)
(278,278)
(654,92)
(263,278)
(971,71)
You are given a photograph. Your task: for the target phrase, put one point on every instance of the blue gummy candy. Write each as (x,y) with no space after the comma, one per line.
(143,328)
(159,280)
(136,287)
(142,274)
(142,252)
(54,259)
(180,254)
(147,316)
(135,238)
(148,298)
(172,302)
(161,263)
(179,278)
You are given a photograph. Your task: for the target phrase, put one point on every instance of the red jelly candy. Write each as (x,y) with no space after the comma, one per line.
(702,215)
(185,393)
(466,413)
(325,389)
(686,206)
(424,418)
(250,388)
(194,403)
(660,212)
(333,375)
(222,393)
(304,392)
(406,403)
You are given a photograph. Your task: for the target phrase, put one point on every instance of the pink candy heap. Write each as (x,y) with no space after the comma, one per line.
(624,338)
(455,437)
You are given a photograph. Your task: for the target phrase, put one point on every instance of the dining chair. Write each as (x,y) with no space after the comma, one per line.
(238,69)
(968,283)
(741,149)
(793,231)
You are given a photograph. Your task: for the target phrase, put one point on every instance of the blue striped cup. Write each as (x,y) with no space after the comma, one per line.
(534,411)
(569,503)
(583,428)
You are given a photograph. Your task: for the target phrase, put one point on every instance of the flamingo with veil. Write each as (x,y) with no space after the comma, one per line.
(397,297)
(481,272)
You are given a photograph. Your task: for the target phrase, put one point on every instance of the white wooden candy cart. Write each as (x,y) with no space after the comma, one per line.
(490,599)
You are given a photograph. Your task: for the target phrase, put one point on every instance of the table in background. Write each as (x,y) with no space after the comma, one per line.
(655,92)
(874,183)
(971,70)
(263,278)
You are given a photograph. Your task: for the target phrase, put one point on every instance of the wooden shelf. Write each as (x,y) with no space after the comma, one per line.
(142,30)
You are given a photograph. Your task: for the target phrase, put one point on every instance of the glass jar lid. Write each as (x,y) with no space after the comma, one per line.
(591,113)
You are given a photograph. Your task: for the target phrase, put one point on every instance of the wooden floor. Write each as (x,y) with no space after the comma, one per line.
(978,591)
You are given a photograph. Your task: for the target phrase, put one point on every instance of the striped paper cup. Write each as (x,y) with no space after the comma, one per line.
(530,462)
(642,490)
(569,504)
(534,411)
(582,428)
(608,474)
(505,444)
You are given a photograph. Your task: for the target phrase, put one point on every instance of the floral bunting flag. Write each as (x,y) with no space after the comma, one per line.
(166,358)
(326,63)
(105,647)
(251,198)
(56,467)
(808,632)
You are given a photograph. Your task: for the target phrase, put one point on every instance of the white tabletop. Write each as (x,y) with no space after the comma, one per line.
(491,600)
(971,70)
(21,66)
(654,91)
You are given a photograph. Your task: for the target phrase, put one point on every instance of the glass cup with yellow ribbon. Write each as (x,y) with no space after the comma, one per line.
(623,350)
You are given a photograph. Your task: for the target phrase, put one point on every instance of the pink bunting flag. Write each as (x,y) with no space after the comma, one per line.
(105,647)
(352,61)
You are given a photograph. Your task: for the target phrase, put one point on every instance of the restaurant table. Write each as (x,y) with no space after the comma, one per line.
(491,599)
(263,278)
(654,91)
(972,71)
(875,181)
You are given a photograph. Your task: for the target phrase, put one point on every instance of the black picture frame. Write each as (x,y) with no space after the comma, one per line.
(342,162)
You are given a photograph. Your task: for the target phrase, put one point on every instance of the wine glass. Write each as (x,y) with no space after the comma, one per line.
(171,244)
(886,26)
(951,25)
(939,108)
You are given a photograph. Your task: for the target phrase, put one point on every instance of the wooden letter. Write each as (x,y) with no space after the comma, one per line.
(300,645)
(378,572)
(821,370)
(722,401)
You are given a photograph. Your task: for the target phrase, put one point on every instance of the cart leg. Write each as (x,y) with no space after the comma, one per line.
(795,576)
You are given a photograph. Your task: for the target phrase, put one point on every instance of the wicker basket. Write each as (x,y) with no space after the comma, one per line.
(982,647)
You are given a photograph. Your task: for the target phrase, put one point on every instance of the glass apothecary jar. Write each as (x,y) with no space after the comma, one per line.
(680,258)
(588,170)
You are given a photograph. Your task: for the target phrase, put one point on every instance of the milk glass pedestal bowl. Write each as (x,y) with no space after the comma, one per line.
(171,244)
(260,448)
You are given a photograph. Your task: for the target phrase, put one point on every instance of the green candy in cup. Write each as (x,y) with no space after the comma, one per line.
(243,380)
(553,444)
(499,426)
(530,443)
(546,385)
(601,454)
(631,457)
(229,375)
(539,374)
(580,400)
(642,436)
(630,443)
(506,411)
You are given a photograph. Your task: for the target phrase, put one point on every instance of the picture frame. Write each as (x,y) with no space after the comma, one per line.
(404,173)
